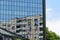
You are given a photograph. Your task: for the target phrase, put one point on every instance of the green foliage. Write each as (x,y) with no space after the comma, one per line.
(17,39)
(51,35)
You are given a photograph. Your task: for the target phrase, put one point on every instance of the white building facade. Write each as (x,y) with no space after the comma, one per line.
(30,27)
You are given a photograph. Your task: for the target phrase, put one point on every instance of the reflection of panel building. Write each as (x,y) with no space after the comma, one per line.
(30,27)
(7,35)
(11,12)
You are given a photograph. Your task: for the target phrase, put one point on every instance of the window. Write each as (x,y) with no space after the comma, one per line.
(41,38)
(40,34)
(41,24)
(29,24)
(36,29)
(29,29)
(13,27)
(17,31)
(35,37)
(25,20)
(19,21)
(18,26)
(29,19)
(24,25)
(4,24)
(20,31)
(8,25)
(41,18)
(41,29)
(36,22)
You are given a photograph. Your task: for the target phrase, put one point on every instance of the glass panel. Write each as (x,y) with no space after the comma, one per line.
(21,16)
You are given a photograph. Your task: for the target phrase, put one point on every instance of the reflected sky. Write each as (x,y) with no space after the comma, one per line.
(19,8)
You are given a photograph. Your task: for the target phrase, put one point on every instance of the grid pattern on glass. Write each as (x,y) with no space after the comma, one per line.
(19,8)
(15,9)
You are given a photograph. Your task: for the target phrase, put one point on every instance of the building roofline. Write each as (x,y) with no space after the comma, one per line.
(27,16)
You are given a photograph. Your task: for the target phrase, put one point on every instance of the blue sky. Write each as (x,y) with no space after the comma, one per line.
(54,5)
(53,15)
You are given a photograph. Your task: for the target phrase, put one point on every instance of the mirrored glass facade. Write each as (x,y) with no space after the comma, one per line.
(18,16)
(19,8)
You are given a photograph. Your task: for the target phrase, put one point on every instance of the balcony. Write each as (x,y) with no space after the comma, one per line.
(40,36)
(40,26)
(41,32)
(23,28)
(20,33)
(21,23)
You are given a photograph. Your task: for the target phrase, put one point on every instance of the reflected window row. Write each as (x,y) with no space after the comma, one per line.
(29,1)
(22,12)
(13,6)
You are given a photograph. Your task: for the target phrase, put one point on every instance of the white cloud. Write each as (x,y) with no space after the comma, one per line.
(53,25)
(49,9)
(49,13)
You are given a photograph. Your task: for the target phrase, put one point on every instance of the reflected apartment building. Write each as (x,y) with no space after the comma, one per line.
(23,17)
(30,27)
